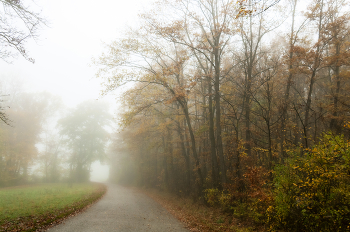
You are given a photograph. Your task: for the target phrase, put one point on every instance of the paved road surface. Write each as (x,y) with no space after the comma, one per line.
(122,210)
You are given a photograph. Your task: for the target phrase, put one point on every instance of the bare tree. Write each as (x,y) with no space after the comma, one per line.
(18,23)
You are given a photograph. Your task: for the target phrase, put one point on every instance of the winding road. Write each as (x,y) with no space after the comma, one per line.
(122,210)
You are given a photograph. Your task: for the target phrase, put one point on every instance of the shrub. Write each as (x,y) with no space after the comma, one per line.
(250,202)
(312,191)
(212,196)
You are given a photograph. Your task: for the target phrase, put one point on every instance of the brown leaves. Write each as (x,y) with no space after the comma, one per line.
(243,9)
(195,216)
(173,30)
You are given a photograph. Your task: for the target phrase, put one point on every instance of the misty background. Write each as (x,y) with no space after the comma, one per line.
(76,31)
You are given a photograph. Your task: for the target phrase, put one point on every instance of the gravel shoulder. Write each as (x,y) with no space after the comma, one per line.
(122,209)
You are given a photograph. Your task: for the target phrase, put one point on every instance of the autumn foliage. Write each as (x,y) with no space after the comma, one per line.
(220,93)
(312,191)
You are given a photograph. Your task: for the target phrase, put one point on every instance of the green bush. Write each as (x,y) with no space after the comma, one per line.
(214,197)
(312,191)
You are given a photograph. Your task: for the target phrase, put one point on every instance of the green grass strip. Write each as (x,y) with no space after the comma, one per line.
(30,208)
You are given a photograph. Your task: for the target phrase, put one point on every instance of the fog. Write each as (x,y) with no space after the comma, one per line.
(61,82)
(100,172)
(61,79)
(65,47)
(242,106)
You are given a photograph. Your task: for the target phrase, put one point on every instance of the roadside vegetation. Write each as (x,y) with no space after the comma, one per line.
(33,207)
(308,193)
(198,216)
(242,106)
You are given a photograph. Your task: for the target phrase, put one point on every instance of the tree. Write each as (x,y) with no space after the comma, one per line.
(18,23)
(3,116)
(50,157)
(163,65)
(51,149)
(293,38)
(18,142)
(337,32)
(85,133)
(218,96)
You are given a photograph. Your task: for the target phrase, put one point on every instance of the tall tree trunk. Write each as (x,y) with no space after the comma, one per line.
(214,164)
(172,179)
(193,146)
(315,66)
(249,76)
(285,102)
(187,159)
(165,163)
(334,121)
(220,150)
(156,168)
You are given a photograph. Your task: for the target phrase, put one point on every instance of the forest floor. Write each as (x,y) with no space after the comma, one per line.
(197,216)
(36,207)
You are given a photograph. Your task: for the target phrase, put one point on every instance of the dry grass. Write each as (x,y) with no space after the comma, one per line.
(197,216)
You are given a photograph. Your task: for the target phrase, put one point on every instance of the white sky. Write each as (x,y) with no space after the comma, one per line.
(76,32)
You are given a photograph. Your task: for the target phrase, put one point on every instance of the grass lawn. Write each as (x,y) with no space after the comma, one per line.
(38,206)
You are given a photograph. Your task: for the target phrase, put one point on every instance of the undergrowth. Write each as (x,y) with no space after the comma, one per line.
(197,216)
(309,192)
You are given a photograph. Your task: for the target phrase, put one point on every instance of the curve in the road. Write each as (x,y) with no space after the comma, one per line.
(122,210)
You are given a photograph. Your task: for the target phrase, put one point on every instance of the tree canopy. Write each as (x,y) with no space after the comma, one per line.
(85,133)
